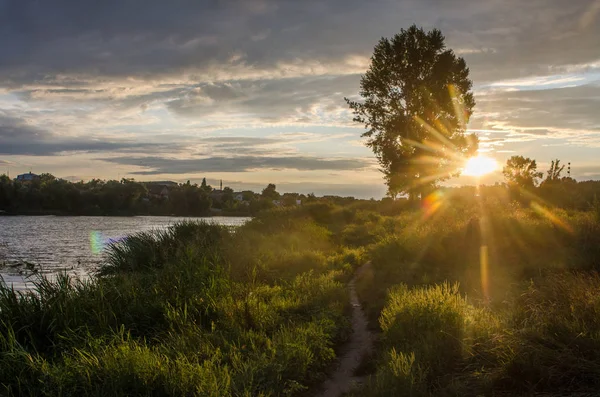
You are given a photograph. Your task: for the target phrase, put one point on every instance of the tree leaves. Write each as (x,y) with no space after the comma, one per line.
(416,102)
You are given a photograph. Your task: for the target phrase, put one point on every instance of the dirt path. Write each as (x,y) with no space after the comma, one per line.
(360,344)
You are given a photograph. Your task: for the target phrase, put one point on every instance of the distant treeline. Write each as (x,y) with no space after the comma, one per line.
(564,193)
(46,194)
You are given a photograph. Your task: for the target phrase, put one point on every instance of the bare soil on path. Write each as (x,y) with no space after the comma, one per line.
(359,346)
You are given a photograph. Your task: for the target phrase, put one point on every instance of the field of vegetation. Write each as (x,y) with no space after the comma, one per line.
(468,295)
(196,310)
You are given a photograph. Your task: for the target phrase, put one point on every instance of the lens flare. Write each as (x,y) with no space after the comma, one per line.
(432,203)
(555,219)
(97,242)
(484,265)
(479,166)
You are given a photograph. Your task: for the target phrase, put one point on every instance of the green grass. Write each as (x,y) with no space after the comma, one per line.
(262,310)
(181,312)
(528,324)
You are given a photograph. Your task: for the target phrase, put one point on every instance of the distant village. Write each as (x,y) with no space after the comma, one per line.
(163,190)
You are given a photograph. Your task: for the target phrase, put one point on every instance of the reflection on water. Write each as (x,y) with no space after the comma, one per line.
(51,244)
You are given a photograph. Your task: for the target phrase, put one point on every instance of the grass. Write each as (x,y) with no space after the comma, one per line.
(473,298)
(526,324)
(177,313)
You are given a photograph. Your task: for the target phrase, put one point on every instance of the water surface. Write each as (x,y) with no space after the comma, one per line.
(51,244)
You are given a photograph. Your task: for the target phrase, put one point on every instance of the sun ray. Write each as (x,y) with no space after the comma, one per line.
(540,209)
(435,133)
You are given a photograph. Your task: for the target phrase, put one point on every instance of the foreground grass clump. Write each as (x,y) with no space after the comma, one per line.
(529,324)
(195,310)
(434,342)
(428,334)
(151,250)
(555,341)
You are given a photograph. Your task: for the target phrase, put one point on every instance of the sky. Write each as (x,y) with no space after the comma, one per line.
(252,92)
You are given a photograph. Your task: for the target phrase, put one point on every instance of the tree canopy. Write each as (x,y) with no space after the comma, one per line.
(270,192)
(554,172)
(521,172)
(416,102)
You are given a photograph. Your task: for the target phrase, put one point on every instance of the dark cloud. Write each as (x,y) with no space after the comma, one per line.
(17,137)
(161,165)
(150,38)
(231,57)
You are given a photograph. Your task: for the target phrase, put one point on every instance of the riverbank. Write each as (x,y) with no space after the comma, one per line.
(465,299)
(48,245)
(195,309)
(207,214)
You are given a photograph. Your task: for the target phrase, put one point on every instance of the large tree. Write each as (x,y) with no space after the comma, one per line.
(416,102)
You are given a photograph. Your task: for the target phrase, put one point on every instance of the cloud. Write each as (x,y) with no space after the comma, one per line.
(229,38)
(302,100)
(584,173)
(267,61)
(568,113)
(153,78)
(161,165)
(17,137)
(541,81)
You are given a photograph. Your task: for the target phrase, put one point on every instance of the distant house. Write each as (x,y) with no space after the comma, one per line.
(238,196)
(29,177)
(160,190)
(216,194)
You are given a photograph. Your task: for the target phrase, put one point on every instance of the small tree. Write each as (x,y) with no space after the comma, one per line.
(416,102)
(204,186)
(227,195)
(270,192)
(554,172)
(521,172)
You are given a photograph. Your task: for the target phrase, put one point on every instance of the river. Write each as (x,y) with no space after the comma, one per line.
(72,244)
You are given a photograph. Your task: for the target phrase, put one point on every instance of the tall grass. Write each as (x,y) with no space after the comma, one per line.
(151,250)
(530,322)
(173,313)
(475,299)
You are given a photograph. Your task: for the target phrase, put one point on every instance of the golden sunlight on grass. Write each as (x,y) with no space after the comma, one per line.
(479,166)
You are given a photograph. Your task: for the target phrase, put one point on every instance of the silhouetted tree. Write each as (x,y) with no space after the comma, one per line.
(227,197)
(204,186)
(554,172)
(521,172)
(270,192)
(416,102)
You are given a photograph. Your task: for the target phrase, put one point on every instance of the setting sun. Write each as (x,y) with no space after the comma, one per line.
(479,166)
